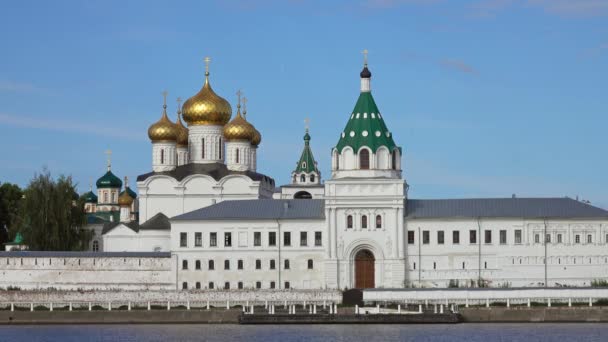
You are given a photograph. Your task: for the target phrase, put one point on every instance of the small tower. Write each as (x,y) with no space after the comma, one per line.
(108,188)
(182,137)
(366,148)
(133,195)
(306,172)
(163,135)
(90,200)
(125,201)
(238,134)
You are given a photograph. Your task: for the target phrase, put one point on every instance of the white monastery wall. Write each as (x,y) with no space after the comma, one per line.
(87,273)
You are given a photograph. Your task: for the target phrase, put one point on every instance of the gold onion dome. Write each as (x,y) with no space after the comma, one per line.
(256,139)
(125,200)
(182,131)
(163,129)
(239,128)
(206,107)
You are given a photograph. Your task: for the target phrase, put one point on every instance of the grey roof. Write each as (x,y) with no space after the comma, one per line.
(261,209)
(216,170)
(157,222)
(51,254)
(133,225)
(503,208)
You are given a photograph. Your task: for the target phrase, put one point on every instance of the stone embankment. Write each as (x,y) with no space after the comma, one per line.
(532,315)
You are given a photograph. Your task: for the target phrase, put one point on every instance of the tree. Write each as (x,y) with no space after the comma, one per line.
(52,215)
(10,199)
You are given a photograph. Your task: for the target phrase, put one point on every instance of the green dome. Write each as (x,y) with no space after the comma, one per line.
(90,197)
(109,180)
(131,193)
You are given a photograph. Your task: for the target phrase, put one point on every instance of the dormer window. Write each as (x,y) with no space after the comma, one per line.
(304,164)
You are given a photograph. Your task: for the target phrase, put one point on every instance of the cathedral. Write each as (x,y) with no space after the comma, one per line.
(231,227)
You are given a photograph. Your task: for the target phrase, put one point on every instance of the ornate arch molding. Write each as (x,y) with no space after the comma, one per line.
(360,244)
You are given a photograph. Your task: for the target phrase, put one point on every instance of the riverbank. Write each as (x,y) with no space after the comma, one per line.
(344,316)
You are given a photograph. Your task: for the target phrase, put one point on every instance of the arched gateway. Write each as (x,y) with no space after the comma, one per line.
(364,269)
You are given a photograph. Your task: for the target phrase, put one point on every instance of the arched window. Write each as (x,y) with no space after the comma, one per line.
(310,264)
(95,246)
(162,156)
(364,159)
(221,148)
(349,221)
(378,221)
(184,264)
(303,164)
(364,221)
(237,156)
(197,265)
(105,197)
(302,178)
(203,148)
(211,265)
(394,160)
(312,178)
(184,286)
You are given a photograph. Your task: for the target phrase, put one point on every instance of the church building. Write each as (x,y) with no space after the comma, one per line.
(230,226)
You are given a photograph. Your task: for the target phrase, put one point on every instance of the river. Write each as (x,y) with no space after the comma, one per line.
(293,333)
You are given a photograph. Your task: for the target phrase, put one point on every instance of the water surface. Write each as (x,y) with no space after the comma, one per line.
(294,333)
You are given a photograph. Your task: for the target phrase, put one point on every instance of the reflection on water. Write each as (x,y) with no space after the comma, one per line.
(293,333)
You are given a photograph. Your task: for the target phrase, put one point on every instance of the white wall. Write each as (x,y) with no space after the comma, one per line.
(124,239)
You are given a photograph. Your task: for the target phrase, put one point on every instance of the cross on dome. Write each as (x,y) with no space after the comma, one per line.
(207,60)
(365,52)
(109,154)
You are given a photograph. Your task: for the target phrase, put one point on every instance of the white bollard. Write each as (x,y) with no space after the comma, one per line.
(168,305)
(252,310)
(90,307)
(487,302)
(441,308)
(466,303)
(549,302)
(50,306)
(435,308)
(285,304)
(529,302)
(208,305)
(508,303)
(331,308)
(335,309)
(265,304)
(590,301)
(12,307)
(129,306)
(149,306)
(304,304)
(314,309)
(419,308)
(227,305)
(310,309)
(569,302)
(273,309)
(109,306)
(426,303)
(188,305)
(399,308)
(32,307)
(378,308)
(324,304)
(70,307)
(244,308)
(356,309)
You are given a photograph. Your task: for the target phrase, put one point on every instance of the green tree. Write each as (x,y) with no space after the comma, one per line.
(10,199)
(52,215)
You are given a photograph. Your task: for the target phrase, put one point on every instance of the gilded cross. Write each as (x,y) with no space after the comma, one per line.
(365,52)
(109,154)
(307,123)
(207,61)
(179,106)
(244,105)
(165,93)
(238,94)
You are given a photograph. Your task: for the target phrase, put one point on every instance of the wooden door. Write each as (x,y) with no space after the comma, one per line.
(364,270)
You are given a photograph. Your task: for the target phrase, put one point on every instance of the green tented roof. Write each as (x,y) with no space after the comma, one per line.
(90,197)
(104,216)
(365,127)
(307,161)
(109,180)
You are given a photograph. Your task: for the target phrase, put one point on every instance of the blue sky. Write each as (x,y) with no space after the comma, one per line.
(487,98)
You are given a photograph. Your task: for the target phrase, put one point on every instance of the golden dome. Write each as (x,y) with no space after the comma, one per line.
(163,129)
(257,138)
(238,128)
(125,200)
(182,132)
(206,107)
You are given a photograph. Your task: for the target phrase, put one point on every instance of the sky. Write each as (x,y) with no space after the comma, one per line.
(487,98)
